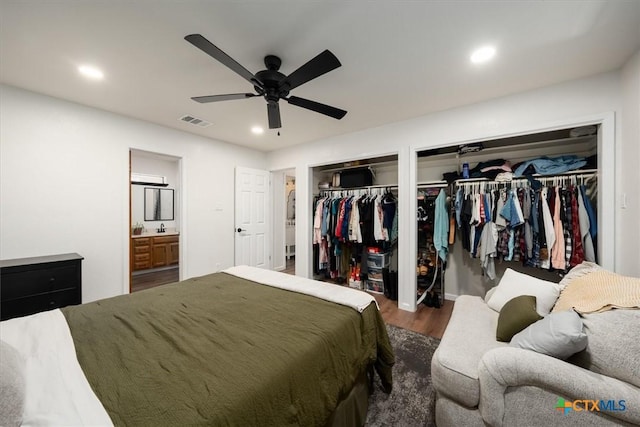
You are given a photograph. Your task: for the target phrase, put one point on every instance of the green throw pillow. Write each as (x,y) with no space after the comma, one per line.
(515,315)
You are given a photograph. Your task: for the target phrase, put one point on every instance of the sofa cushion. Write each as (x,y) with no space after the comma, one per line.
(613,344)
(558,335)
(471,332)
(516,315)
(513,284)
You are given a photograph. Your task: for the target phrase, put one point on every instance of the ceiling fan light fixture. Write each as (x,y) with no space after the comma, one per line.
(91,72)
(483,54)
(257,130)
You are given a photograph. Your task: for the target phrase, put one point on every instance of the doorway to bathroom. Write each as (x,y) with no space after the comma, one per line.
(290,222)
(283,206)
(154,219)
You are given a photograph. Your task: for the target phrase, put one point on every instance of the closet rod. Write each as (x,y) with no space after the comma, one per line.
(564,177)
(359,189)
(542,178)
(367,187)
(581,173)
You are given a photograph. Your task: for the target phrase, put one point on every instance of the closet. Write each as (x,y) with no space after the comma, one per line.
(549,179)
(433,226)
(354,221)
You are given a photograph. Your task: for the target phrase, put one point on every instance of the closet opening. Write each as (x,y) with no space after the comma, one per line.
(290,222)
(155,220)
(355,224)
(527,202)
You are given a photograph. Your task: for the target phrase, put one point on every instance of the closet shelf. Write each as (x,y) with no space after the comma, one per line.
(432,184)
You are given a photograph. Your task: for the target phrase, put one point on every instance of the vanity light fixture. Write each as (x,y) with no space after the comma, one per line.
(257,130)
(483,54)
(91,72)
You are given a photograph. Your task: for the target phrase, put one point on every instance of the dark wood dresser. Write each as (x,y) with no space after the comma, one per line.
(31,285)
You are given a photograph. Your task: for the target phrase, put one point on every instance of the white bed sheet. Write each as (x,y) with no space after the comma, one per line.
(358,300)
(57,391)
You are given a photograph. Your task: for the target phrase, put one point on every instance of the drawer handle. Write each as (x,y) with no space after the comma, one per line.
(53,279)
(52,303)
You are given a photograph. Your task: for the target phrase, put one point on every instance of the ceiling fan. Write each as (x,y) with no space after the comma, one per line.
(271,84)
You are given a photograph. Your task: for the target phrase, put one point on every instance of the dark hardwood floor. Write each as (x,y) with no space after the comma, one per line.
(140,282)
(425,320)
(291,266)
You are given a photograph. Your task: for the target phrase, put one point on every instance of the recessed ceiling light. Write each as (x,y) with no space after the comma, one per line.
(257,130)
(91,72)
(483,54)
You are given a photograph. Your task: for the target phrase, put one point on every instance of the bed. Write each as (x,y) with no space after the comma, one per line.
(241,347)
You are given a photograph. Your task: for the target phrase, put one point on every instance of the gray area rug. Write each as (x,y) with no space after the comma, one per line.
(412,401)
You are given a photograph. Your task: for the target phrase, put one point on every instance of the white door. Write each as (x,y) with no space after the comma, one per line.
(252,217)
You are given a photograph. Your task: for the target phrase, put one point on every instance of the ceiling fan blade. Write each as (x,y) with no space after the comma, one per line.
(273,111)
(229,97)
(209,48)
(321,64)
(327,110)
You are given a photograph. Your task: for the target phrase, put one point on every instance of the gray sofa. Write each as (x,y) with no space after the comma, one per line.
(480,381)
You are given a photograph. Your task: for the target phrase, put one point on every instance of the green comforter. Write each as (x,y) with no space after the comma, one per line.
(220,350)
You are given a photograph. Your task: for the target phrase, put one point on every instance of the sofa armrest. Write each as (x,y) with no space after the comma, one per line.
(506,367)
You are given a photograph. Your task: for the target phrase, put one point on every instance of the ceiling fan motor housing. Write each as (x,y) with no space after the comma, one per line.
(272,80)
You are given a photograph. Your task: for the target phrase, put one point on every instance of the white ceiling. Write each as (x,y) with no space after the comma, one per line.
(400,59)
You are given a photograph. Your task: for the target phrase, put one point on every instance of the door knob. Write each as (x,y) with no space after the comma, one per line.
(240,230)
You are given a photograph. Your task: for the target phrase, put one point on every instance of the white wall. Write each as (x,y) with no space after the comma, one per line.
(144,164)
(64,187)
(628,219)
(511,115)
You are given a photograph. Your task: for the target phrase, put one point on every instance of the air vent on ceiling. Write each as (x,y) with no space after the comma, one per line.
(195,121)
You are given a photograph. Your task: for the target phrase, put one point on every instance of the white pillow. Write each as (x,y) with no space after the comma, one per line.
(514,284)
(558,335)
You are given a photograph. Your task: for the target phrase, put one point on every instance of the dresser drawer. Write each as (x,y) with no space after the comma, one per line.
(30,285)
(142,241)
(38,303)
(37,281)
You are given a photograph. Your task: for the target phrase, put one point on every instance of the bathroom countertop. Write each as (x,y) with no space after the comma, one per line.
(154,234)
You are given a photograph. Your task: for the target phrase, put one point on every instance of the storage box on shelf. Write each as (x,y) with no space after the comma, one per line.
(375,263)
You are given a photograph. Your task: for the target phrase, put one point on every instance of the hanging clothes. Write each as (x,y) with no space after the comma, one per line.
(441,226)
(558,249)
(487,249)
(538,224)
(585,234)
(344,224)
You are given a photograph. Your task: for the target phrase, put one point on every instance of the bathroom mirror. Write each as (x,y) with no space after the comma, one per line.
(158,204)
(291,205)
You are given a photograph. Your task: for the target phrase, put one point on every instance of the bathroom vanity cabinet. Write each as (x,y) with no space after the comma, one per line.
(154,251)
